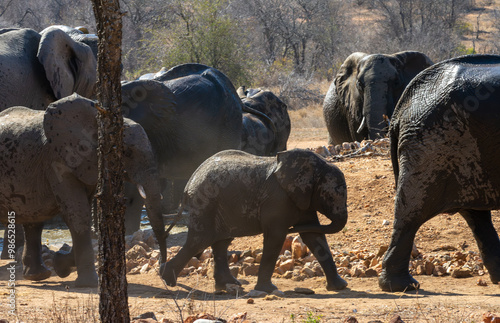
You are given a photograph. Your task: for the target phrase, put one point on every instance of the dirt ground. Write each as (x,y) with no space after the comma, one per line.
(371,196)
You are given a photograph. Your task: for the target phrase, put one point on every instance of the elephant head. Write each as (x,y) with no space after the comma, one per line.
(365,91)
(70,126)
(313,184)
(70,66)
(78,34)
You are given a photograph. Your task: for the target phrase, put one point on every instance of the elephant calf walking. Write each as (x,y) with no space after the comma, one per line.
(234,194)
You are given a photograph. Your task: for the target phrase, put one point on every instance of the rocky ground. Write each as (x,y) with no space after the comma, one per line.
(455,286)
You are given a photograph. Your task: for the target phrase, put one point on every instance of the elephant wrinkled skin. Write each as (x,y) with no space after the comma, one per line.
(266,124)
(189,112)
(48,165)
(367,88)
(38,69)
(445,135)
(234,194)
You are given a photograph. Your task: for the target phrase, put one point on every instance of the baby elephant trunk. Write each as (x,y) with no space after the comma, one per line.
(339,221)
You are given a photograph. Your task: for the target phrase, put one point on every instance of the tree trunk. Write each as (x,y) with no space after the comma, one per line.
(113,304)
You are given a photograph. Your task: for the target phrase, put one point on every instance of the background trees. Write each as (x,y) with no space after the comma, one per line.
(287,45)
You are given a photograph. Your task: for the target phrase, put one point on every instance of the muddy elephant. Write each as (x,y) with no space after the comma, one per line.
(189,112)
(48,166)
(37,69)
(362,97)
(266,124)
(444,151)
(234,194)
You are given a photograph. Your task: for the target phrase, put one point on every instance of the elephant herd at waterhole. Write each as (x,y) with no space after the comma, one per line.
(189,126)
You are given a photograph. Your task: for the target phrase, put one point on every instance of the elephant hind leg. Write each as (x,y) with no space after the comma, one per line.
(34,268)
(319,246)
(487,240)
(170,270)
(222,274)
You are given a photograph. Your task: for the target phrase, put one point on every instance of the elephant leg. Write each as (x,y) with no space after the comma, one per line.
(395,275)
(19,241)
(222,274)
(319,246)
(170,270)
(487,240)
(133,209)
(34,268)
(64,262)
(273,242)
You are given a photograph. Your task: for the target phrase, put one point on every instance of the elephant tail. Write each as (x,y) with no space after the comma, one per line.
(394,137)
(265,118)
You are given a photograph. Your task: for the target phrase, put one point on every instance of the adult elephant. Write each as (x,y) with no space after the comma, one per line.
(266,124)
(190,112)
(365,91)
(444,150)
(37,69)
(234,194)
(48,165)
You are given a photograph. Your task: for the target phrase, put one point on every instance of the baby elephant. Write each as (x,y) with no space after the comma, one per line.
(234,194)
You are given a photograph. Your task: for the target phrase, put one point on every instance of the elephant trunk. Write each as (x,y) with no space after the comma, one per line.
(339,220)
(154,209)
(377,103)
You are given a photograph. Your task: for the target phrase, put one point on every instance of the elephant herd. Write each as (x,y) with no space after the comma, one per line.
(189,124)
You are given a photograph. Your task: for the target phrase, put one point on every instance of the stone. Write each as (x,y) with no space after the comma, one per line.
(233,258)
(278,293)
(147,315)
(396,319)
(429,268)
(249,260)
(350,319)
(461,273)
(206,254)
(238,318)
(287,265)
(303,290)
(256,294)
(491,318)
(193,262)
(148,320)
(287,244)
(439,271)
(370,272)
(381,251)
(414,251)
(235,270)
(250,301)
(144,268)
(322,151)
(136,252)
(250,270)
(307,272)
(299,249)
(481,282)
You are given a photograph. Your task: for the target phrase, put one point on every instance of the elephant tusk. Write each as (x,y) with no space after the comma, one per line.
(362,125)
(141,191)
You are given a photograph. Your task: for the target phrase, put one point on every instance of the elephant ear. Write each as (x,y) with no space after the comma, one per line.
(70,66)
(413,62)
(70,127)
(295,174)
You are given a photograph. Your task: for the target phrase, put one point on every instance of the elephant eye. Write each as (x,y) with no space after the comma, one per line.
(360,84)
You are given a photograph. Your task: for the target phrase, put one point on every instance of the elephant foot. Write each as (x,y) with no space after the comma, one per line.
(168,275)
(495,276)
(336,283)
(64,263)
(87,280)
(397,282)
(37,274)
(220,284)
(266,287)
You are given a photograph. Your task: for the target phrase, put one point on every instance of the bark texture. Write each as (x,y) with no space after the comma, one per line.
(113,305)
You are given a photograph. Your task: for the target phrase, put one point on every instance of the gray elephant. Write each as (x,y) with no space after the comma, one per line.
(365,91)
(48,165)
(266,124)
(189,112)
(234,194)
(444,151)
(37,69)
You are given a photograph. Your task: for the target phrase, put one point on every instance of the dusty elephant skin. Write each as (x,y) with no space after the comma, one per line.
(189,112)
(39,68)
(444,147)
(48,163)
(266,124)
(366,88)
(234,194)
